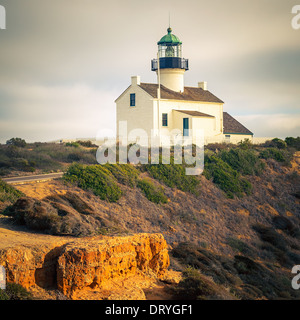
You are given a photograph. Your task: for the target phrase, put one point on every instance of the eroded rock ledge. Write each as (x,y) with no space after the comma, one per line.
(88,263)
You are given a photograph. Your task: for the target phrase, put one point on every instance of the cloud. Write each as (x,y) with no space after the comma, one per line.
(63,63)
(56,112)
(272,125)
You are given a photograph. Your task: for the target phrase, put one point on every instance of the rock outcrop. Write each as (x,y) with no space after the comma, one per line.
(87,263)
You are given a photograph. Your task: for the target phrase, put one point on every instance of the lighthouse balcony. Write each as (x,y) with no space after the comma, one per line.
(170,62)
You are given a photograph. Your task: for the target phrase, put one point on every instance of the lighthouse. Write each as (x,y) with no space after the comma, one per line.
(168,109)
(169,65)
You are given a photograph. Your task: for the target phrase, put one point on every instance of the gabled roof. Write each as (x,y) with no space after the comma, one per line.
(195,113)
(189,93)
(231,125)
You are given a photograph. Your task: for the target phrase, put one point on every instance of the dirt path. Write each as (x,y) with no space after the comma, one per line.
(12,236)
(40,190)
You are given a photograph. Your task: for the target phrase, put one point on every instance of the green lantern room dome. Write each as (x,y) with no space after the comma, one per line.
(169,39)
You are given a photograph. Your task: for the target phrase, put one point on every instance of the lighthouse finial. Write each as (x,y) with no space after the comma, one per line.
(169,29)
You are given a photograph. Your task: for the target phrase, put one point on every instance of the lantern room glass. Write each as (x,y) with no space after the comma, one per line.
(169,50)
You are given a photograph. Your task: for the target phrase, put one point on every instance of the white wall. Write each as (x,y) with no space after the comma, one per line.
(172,79)
(258,140)
(139,116)
(236,138)
(214,126)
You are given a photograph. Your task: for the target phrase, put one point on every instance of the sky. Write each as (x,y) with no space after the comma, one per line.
(64,62)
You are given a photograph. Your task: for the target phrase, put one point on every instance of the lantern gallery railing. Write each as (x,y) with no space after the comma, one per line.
(170,62)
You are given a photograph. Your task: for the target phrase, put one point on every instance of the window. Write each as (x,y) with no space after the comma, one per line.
(132,99)
(164,119)
(186,127)
(227,138)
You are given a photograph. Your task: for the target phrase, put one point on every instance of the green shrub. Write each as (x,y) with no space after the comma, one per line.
(245,144)
(293,142)
(3,295)
(239,245)
(152,192)
(195,286)
(9,193)
(244,161)
(72,144)
(228,179)
(17,142)
(125,173)
(173,175)
(96,178)
(279,155)
(279,143)
(15,291)
(87,144)
(73,157)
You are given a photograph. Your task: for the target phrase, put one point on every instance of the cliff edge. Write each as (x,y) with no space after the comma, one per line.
(88,268)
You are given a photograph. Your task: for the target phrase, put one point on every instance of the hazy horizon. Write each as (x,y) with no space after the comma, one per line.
(63,63)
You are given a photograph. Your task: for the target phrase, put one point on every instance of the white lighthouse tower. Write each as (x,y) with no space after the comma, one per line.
(171,66)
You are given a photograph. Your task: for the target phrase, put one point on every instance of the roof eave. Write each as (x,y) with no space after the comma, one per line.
(243,133)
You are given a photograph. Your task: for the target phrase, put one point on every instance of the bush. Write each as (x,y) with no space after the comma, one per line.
(3,295)
(36,215)
(278,143)
(15,291)
(68,214)
(17,142)
(87,144)
(219,146)
(239,245)
(285,224)
(73,157)
(269,235)
(72,144)
(9,193)
(125,173)
(195,286)
(245,144)
(225,177)
(152,193)
(243,160)
(43,156)
(173,175)
(293,142)
(279,155)
(96,178)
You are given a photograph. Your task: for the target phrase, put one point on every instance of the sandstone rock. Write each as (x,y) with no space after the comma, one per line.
(87,263)
(31,266)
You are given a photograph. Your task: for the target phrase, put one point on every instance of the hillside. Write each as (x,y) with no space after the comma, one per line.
(233,232)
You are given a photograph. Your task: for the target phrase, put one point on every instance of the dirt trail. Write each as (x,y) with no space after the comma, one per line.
(12,236)
(40,190)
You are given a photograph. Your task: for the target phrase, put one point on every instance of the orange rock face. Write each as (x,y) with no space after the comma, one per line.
(85,263)
(88,264)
